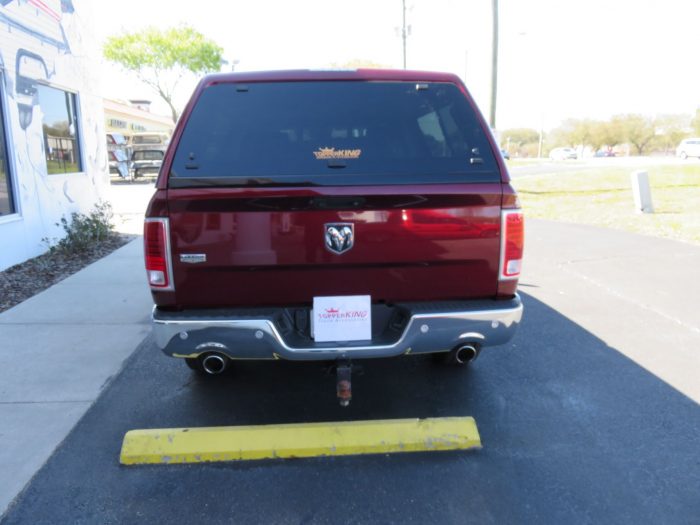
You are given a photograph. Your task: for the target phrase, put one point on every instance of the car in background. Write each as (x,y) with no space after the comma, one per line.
(563,154)
(505,154)
(146,161)
(605,153)
(149,140)
(688,148)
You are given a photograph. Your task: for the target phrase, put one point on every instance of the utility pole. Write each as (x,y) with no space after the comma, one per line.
(403,32)
(494,64)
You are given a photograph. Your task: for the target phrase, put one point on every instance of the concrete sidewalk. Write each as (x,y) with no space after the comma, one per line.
(59,350)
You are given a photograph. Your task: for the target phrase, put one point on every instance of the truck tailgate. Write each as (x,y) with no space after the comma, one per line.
(267,247)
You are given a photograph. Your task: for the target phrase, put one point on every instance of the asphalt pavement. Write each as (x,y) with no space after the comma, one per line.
(589,415)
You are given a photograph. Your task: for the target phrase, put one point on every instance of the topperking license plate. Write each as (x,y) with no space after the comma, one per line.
(342,318)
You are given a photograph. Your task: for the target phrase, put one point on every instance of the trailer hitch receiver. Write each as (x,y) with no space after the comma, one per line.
(344,383)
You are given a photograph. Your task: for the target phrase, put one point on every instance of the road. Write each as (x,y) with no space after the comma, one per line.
(589,415)
(547,166)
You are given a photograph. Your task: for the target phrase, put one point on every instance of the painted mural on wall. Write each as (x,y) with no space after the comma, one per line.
(54,112)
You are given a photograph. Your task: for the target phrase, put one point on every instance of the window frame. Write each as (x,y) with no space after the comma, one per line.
(78,128)
(10,157)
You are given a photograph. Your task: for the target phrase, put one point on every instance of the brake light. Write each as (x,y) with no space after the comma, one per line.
(512,243)
(156,247)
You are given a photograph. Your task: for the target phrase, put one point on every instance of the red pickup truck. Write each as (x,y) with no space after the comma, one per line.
(332,215)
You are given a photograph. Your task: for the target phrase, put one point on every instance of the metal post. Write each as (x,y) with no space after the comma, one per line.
(494,64)
(642,192)
(403,32)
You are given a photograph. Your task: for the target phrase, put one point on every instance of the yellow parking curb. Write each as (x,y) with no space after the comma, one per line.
(299,440)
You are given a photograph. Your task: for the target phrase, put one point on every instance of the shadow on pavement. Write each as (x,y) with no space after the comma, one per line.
(572,430)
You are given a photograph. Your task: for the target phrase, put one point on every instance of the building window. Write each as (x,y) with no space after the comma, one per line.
(61,140)
(7,205)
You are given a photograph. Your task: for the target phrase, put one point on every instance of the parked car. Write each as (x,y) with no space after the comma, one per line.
(605,153)
(688,148)
(149,140)
(332,216)
(146,161)
(563,154)
(505,154)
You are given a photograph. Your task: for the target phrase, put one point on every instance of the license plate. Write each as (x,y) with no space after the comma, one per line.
(342,318)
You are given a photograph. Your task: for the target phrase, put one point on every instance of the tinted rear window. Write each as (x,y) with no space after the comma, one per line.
(332,133)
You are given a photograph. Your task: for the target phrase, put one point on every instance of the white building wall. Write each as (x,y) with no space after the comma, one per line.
(57,34)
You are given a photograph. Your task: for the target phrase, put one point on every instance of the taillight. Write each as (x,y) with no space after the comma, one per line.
(156,247)
(512,243)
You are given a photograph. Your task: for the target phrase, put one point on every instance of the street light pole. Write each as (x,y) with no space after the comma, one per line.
(494,64)
(403,32)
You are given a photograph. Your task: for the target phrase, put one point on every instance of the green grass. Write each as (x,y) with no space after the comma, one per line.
(604,198)
(54,166)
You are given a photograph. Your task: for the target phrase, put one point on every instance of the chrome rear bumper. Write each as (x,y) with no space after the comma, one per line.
(429,328)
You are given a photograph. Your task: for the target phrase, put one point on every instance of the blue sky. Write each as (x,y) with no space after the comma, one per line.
(558,59)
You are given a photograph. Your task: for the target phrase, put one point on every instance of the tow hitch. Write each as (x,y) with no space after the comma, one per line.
(344,383)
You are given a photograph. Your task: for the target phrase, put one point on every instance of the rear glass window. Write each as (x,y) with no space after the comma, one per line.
(332,133)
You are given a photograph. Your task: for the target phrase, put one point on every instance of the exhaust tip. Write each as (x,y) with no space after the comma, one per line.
(464,354)
(214,364)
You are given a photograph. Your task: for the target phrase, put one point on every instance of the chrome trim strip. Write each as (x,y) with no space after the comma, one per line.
(260,338)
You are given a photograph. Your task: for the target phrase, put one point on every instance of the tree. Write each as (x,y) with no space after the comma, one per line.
(695,123)
(636,129)
(578,132)
(605,133)
(670,130)
(161,59)
(520,141)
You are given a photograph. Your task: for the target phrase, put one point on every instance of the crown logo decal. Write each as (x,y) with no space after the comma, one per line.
(332,153)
